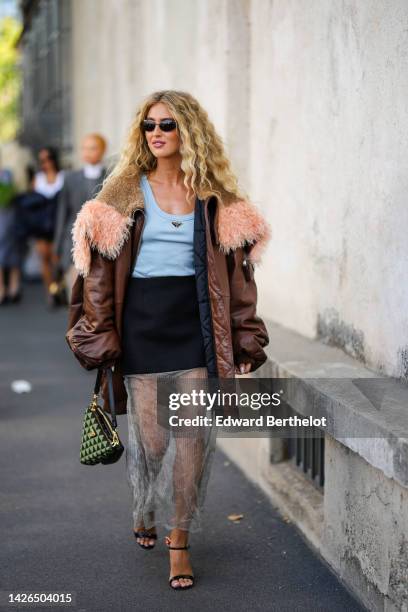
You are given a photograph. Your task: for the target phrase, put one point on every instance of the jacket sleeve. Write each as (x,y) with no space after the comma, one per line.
(63,209)
(92,335)
(249,333)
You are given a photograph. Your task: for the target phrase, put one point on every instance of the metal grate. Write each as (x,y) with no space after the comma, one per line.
(306,450)
(307,453)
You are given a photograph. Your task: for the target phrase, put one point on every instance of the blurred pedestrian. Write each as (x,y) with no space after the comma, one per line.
(31,214)
(79,186)
(10,253)
(48,182)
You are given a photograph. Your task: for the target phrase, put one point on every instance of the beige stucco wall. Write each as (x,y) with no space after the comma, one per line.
(330,79)
(311,99)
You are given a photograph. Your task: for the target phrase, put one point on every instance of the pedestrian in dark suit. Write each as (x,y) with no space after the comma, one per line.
(79,186)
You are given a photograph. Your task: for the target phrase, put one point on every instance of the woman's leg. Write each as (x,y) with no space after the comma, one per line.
(191,459)
(146,448)
(2,285)
(14,282)
(44,249)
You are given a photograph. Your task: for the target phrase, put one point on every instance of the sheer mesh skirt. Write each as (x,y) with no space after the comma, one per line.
(167,471)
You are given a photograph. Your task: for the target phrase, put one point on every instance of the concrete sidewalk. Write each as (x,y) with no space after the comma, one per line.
(67,528)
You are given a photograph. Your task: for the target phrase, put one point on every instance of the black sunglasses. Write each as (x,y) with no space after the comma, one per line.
(166,125)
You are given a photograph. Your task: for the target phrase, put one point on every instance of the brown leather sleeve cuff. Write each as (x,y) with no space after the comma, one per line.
(94,350)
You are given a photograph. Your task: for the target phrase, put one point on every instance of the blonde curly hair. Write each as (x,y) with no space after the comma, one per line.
(207,170)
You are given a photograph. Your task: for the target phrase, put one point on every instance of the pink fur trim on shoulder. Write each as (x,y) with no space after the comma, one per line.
(98,225)
(242,223)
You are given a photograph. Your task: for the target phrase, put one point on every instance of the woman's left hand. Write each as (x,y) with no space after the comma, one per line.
(243,368)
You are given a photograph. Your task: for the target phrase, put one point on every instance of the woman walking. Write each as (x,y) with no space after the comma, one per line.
(48,182)
(166,290)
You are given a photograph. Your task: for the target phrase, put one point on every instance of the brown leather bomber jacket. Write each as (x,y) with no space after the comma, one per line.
(106,237)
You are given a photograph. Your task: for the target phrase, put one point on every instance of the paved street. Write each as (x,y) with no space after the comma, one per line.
(67,527)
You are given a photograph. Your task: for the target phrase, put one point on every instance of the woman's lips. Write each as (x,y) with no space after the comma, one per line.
(158,144)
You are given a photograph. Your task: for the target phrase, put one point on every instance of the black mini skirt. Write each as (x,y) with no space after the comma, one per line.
(161,325)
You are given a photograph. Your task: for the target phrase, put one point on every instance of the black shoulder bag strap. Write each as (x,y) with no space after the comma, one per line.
(110,392)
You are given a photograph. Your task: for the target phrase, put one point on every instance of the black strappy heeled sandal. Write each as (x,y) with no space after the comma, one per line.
(148,535)
(188,576)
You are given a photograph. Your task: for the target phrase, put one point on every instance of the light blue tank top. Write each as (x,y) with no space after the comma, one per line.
(166,247)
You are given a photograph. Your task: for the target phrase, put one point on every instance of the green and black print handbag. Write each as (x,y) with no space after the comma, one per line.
(100,440)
